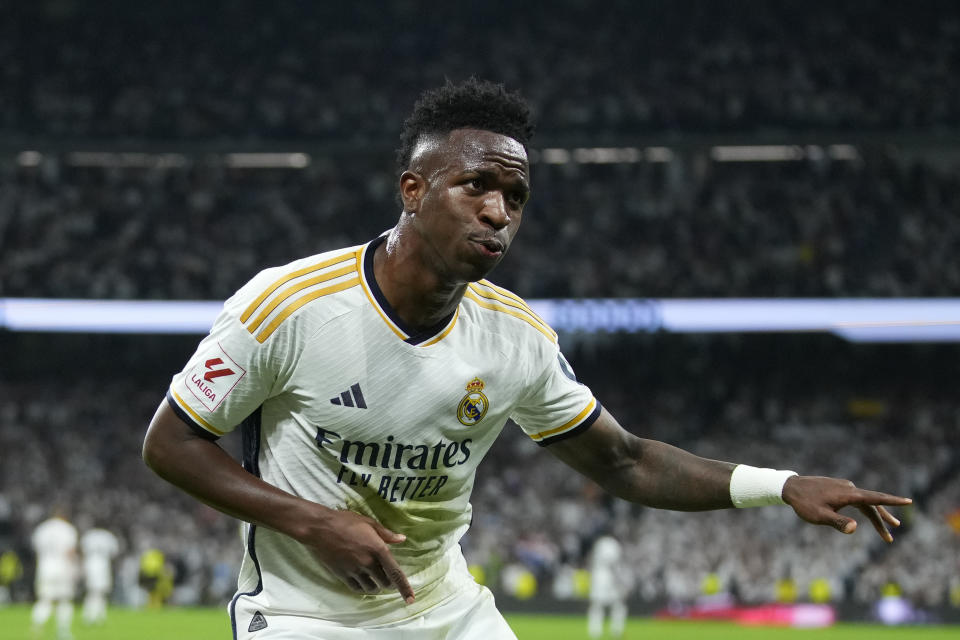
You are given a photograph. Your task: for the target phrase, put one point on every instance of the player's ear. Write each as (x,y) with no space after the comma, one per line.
(412,188)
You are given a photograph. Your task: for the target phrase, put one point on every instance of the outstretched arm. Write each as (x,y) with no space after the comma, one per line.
(353,546)
(660,475)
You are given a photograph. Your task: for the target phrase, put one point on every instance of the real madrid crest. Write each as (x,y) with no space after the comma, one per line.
(474,405)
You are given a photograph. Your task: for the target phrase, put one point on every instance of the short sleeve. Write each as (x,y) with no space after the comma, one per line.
(557,406)
(228,377)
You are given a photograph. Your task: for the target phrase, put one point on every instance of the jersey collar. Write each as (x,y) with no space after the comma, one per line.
(410,335)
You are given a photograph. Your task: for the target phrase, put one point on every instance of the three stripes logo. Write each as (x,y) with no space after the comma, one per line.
(298,288)
(350,398)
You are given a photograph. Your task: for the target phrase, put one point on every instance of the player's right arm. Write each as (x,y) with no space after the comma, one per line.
(236,369)
(351,545)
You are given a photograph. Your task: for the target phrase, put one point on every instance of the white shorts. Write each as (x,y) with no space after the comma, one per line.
(469,615)
(98,578)
(63,589)
(608,595)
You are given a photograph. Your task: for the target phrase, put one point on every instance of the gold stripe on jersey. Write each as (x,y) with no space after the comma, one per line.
(196,416)
(485,300)
(373,300)
(493,292)
(299,302)
(510,294)
(291,276)
(443,334)
(539,437)
(284,295)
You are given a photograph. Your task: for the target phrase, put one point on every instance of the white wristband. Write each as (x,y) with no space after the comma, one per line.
(754,487)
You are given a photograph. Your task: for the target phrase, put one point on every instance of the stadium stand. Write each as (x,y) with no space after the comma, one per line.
(798,229)
(227,70)
(723,398)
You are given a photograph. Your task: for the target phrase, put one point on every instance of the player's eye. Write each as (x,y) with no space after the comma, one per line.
(517,198)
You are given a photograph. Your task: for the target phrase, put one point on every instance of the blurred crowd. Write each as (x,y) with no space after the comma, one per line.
(880,226)
(821,415)
(342,78)
(712,229)
(171,233)
(534,514)
(80,456)
(349,72)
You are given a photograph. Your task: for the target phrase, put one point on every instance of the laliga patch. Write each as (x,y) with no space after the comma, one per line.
(214,377)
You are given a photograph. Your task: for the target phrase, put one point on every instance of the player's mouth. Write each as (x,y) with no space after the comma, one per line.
(491,247)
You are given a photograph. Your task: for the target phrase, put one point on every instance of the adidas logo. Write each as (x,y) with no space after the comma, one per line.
(351,398)
(257,623)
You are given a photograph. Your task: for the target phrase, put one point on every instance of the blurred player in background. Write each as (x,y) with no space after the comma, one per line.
(155,577)
(99,547)
(608,587)
(370,381)
(11,570)
(55,543)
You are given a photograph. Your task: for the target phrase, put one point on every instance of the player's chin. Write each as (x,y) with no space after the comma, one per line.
(478,270)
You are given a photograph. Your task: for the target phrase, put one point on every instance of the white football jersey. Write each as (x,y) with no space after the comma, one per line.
(606,565)
(341,403)
(55,543)
(99,547)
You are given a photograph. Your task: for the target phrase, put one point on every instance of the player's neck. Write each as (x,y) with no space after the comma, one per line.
(418,295)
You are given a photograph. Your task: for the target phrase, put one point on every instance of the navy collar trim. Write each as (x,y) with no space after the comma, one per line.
(414,336)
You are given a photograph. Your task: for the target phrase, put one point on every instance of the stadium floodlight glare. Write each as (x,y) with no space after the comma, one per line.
(854,319)
(782,153)
(843,152)
(267,160)
(126,159)
(29,158)
(107,316)
(757,153)
(601,155)
(658,154)
(607,155)
(554,156)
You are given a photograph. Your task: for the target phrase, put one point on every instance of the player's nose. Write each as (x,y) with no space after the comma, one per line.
(494,211)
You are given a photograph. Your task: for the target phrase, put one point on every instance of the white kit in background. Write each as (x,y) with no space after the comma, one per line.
(55,543)
(99,548)
(607,587)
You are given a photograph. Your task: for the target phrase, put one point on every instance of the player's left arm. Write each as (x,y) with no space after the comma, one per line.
(660,475)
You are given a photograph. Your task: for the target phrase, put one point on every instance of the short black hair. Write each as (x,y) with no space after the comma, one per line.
(472,104)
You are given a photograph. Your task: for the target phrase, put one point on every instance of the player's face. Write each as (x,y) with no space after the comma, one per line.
(468,205)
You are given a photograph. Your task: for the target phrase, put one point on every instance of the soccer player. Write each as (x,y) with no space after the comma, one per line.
(55,543)
(370,381)
(608,588)
(99,547)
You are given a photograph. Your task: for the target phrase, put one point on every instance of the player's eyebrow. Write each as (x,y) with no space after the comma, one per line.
(514,179)
(487,171)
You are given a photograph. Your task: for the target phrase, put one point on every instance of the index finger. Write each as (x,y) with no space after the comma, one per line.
(397,577)
(867,497)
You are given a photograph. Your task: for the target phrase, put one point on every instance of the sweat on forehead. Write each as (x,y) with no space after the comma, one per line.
(470,144)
